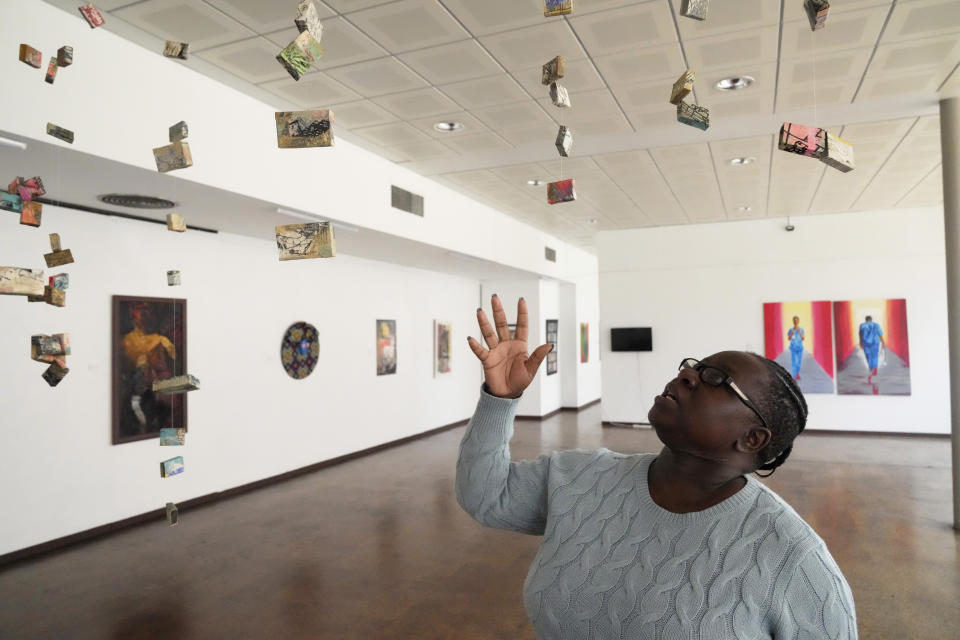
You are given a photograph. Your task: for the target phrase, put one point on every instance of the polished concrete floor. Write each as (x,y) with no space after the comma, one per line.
(378,549)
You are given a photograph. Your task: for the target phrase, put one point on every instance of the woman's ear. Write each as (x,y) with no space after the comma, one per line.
(754,440)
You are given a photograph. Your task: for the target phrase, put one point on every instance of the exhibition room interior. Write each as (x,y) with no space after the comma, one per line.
(299,243)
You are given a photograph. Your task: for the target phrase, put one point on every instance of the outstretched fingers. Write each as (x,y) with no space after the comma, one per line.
(500,319)
(488,334)
(533,362)
(478,349)
(523,320)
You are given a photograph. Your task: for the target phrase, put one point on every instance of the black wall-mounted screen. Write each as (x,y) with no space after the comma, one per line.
(633,339)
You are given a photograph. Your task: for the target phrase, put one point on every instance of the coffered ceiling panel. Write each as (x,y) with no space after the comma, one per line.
(608,32)
(251,59)
(313,90)
(342,43)
(378,77)
(261,16)
(408,25)
(195,22)
(410,105)
(486,92)
(449,63)
(518,49)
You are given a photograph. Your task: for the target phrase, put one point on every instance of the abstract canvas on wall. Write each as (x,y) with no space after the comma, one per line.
(386,347)
(441,347)
(552,340)
(584,342)
(799,336)
(299,350)
(149,343)
(873,349)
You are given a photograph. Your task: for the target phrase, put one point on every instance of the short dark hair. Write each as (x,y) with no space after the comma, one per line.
(869,318)
(785,410)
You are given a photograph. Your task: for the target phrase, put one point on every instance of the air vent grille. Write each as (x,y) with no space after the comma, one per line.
(550,254)
(406,201)
(132,201)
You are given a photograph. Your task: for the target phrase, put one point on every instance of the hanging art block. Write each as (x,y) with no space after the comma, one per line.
(301,129)
(308,19)
(176,222)
(564,141)
(58,256)
(65,56)
(306,241)
(562,191)
(696,9)
(803,140)
(817,13)
(300,54)
(17,281)
(682,87)
(92,15)
(557,8)
(179,132)
(55,373)
(839,154)
(171,467)
(173,49)
(60,133)
(11,202)
(560,96)
(173,156)
(51,71)
(176,384)
(693,115)
(27,189)
(30,56)
(173,278)
(60,281)
(173,516)
(54,297)
(43,345)
(170,437)
(553,71)
(31,214)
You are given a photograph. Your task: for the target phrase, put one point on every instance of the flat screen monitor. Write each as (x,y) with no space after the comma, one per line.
(632,339)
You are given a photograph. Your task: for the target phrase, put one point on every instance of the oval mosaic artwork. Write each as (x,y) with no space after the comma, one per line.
(300,350)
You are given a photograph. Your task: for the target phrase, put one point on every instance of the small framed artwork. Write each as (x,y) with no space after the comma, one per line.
(584,342)
(552,331)
(512,328)
(386,347)
(441,347)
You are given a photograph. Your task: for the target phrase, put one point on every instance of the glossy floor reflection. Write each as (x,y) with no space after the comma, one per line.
(378,549)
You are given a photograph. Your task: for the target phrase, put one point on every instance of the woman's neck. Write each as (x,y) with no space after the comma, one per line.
(683,483)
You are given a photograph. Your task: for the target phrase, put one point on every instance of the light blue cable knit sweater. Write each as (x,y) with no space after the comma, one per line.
(614,564)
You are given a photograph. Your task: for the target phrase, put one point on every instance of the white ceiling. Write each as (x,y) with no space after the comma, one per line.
(393,69)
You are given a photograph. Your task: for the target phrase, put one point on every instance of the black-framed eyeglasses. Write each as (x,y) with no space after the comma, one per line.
(718,378)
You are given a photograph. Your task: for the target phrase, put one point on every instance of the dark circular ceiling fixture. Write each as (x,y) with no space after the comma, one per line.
(133,201)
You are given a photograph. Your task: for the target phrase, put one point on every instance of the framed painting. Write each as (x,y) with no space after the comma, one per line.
(799,337)
(441,347)
(552,339)
(873,347)
(148,340)
(386,347)
(584,342)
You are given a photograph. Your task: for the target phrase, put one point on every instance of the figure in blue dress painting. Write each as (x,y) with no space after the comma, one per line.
(796,335)
(871,339)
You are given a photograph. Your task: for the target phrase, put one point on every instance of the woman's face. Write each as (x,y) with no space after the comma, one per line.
(704,420)
(796,320)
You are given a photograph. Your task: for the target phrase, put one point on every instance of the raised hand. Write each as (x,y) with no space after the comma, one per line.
(507,366)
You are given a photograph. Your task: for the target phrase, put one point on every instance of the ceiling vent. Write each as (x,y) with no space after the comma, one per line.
(406,201)
(132,201)
(550,254)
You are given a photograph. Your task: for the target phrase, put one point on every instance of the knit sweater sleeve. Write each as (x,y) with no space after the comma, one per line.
(493,490)
(818,602)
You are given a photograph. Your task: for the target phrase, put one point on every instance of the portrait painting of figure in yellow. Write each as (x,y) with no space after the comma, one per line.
(386,347)
(149,343)
(799,337)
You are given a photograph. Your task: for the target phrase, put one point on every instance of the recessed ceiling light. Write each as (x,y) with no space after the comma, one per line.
(734,83)
(741,161)
(535,183)
(448,127)
(745,209)
(592,221)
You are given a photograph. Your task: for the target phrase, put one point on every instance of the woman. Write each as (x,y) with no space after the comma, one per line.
(796,335)
(676,545)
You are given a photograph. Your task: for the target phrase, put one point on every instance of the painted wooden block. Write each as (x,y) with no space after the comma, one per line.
(51,71)
(176,222)
(696,9)
(839,154)
(553,71)
(559,95)
(31,214)
(173,156)
(803,140)
(306,241)
(175,385)
(173,278)
(179,132)
(299,129)
(173,516)
(45,345)
(65,56)
(817,13)
(562,191)
(308,19)
(55,373)
(557,7)
(174,49)
(60,281)
(300,55)
(682,87)
(170,437)
(17,281)
(30,56)
(54,297)
(171,467)
(564,141)
(92,15)
(693,115)
(11,202)
(28,189)
(58,256)
(60,133)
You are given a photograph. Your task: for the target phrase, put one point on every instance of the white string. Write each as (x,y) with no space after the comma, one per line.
(813,56)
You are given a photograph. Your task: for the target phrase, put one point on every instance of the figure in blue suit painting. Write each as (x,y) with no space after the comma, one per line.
(796,336)
(871,339)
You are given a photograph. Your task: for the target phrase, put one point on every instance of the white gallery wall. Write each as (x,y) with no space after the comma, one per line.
(702,288)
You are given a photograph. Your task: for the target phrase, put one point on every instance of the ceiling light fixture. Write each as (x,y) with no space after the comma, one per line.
(734,83)
(14,144)
(448,127)
(535,183)
(744,209)
(742,161)
(592,221)
(339,226)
